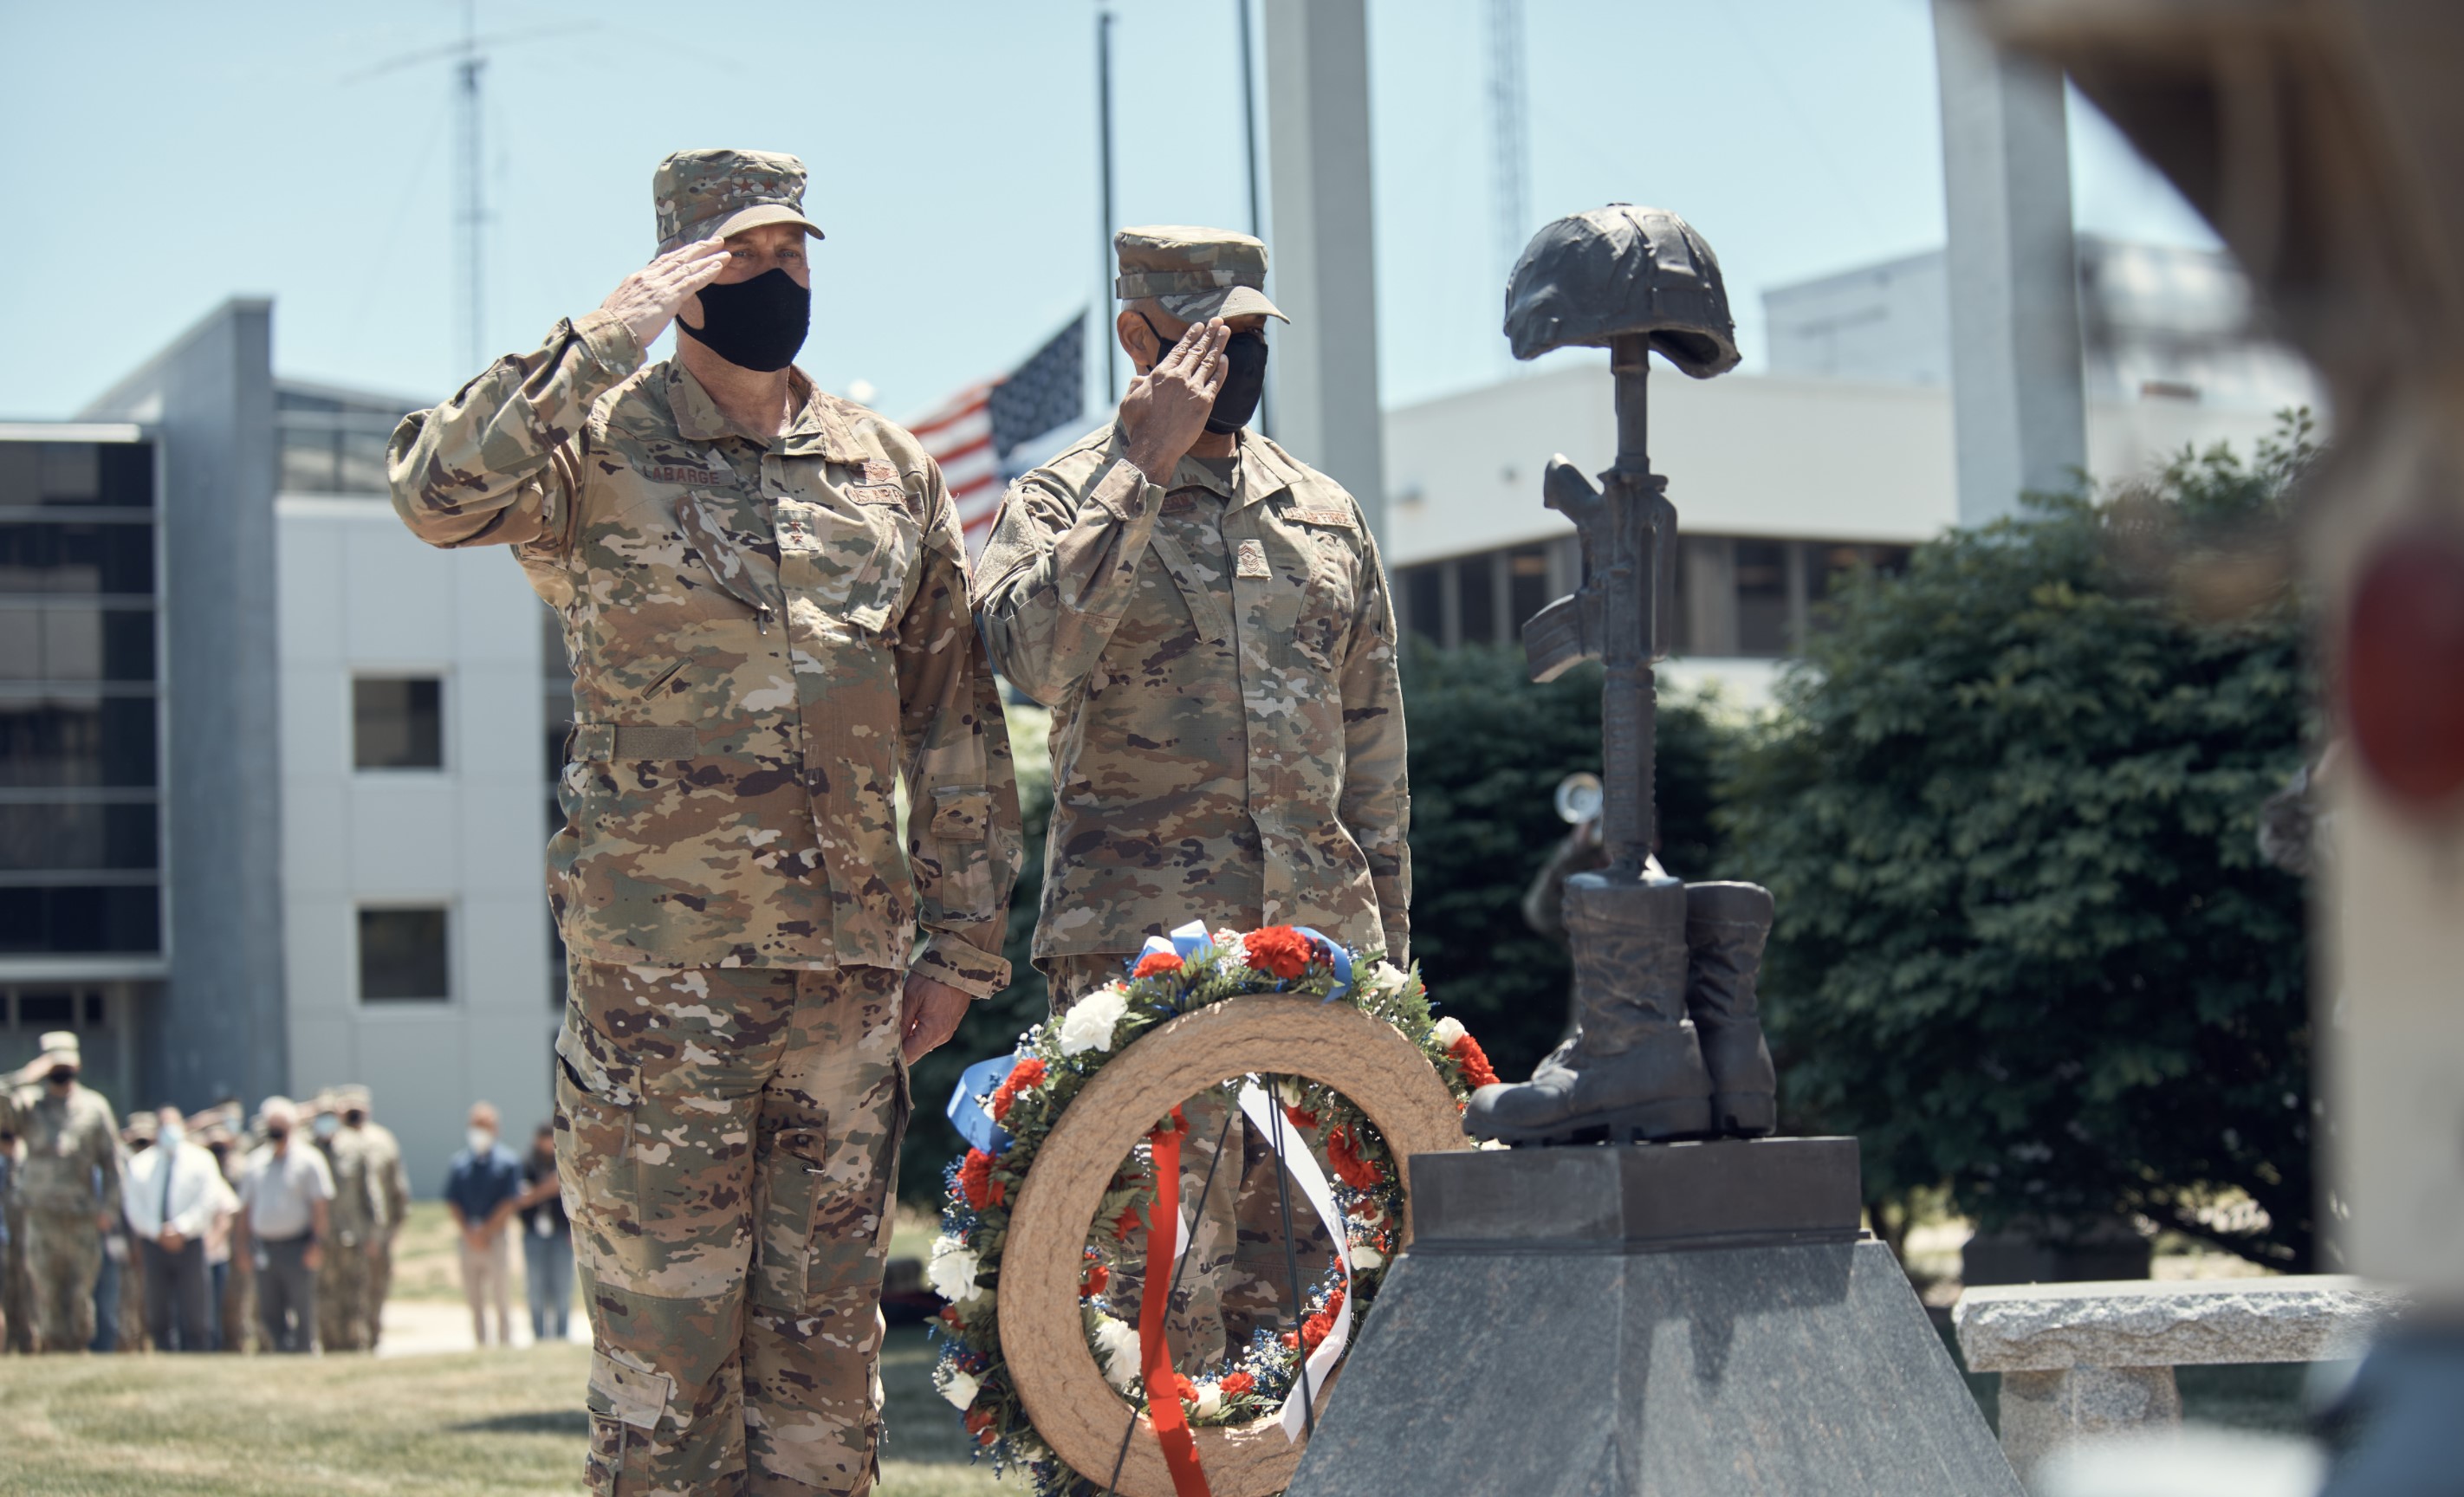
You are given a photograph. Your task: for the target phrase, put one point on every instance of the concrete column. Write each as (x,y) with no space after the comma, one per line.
(2017,401)
(1323,266)
(2042,1412)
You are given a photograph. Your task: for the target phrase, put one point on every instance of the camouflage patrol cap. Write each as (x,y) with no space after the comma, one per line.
(139,1126)
(61,1049)
(714,193)
(1196,273)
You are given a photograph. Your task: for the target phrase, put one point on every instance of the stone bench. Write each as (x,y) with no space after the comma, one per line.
(2080,1360)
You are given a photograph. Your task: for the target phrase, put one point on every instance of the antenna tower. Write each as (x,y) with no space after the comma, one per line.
(472,217)
(1510,149)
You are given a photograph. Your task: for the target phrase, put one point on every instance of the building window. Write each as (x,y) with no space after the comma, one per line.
(398,723)
(403,957)
(79,804)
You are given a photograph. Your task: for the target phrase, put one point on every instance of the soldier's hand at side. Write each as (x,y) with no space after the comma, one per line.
(315,1257)
(928,1014)
(648,299)
(1166,408)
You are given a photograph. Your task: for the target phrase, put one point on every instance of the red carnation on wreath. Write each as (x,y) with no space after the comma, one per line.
(1024,1076)
(1158,964)
(1300,1119)
(1238,1384)
(1281,950)
(1181,1385)
(1474,1060)
(1318,1326)
(980,1423)
(1097,1277)
(976,1181)
(1349,1167)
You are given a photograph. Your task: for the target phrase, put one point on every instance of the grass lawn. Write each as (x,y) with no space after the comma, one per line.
(269,1427)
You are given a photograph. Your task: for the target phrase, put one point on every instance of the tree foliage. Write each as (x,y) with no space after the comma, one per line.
(2026,945)
(1488,748)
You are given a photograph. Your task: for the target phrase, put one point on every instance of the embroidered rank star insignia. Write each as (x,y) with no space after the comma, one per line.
(1253,561)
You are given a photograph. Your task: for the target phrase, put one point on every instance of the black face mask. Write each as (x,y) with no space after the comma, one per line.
(61,1075)
(277,1135)
(754,324)
(1244,379)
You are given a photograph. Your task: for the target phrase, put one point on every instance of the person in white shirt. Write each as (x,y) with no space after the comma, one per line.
(284,1192)
(172,1193)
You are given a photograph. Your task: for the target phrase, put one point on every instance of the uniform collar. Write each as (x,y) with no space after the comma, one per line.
(818,426)
(1262,472)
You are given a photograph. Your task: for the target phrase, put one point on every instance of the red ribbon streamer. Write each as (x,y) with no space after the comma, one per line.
(1154,1300)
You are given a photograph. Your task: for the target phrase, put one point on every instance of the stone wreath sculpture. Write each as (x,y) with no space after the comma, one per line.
(1326,1056)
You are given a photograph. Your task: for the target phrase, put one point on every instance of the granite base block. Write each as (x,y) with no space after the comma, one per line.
(1637,1342)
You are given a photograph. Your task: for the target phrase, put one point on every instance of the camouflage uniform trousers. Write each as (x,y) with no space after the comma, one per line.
(16,1299)
(727,1141)
(1237,1278)
(63,1261)
(342,1296)
(375,1286)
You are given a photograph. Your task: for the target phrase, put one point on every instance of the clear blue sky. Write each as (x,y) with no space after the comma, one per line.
(164,155)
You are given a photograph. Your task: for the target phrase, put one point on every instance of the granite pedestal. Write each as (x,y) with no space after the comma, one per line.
(1664,1319)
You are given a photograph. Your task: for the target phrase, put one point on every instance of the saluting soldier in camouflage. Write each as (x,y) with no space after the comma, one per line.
(355,1220)
(70,1185)
(1208,620)
(764,590)
(391,1185)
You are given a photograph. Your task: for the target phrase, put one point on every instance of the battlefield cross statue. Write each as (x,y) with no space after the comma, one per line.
(1666,1043)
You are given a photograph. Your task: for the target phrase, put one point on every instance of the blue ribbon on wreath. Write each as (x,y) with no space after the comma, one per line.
(968,1117)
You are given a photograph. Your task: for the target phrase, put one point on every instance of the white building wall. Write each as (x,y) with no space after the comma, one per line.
(359,594)
(1744,455)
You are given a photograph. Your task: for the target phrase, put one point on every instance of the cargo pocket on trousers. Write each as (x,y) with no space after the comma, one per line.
(962,817)
(628,1400)
(602,1184)
(790,1189)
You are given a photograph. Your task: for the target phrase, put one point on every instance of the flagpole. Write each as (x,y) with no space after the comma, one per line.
(1104,152)
(1249,151)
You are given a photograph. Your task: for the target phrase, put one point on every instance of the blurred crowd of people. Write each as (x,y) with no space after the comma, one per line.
(217,1230)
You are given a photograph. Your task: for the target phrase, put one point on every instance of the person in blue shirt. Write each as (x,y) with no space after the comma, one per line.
(483,1187)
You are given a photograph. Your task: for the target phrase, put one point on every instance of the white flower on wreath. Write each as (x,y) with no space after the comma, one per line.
(1210,1399)
(1449,1032)
(1368,1258)
(1231,950)
(1090,1024)
(1116,1347)
(1384,980)
(952,1273)
(960,1389)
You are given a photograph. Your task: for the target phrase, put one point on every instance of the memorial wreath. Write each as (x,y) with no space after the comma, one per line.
(1009,1106)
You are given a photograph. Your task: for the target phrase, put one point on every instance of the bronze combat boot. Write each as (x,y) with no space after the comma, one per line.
(1632,1072)
(1726,925)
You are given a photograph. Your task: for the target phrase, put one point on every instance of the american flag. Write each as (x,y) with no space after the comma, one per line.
(973,429)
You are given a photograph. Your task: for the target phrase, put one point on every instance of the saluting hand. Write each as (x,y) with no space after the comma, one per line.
(648,299)
(1166,408)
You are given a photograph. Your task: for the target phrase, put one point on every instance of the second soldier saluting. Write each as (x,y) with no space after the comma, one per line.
(763,591)
(1207,618)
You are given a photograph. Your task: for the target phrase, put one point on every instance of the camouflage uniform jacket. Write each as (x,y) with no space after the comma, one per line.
(762,638)
(1227,733)
(388,1180)
(358,1210)
(72,1149)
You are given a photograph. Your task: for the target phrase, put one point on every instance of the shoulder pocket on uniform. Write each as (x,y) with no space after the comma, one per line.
(962,813)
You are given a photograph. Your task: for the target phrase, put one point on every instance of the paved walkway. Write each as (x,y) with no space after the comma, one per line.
(424,1328)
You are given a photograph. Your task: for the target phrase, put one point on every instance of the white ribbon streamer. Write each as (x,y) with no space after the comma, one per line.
(1260,1108)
